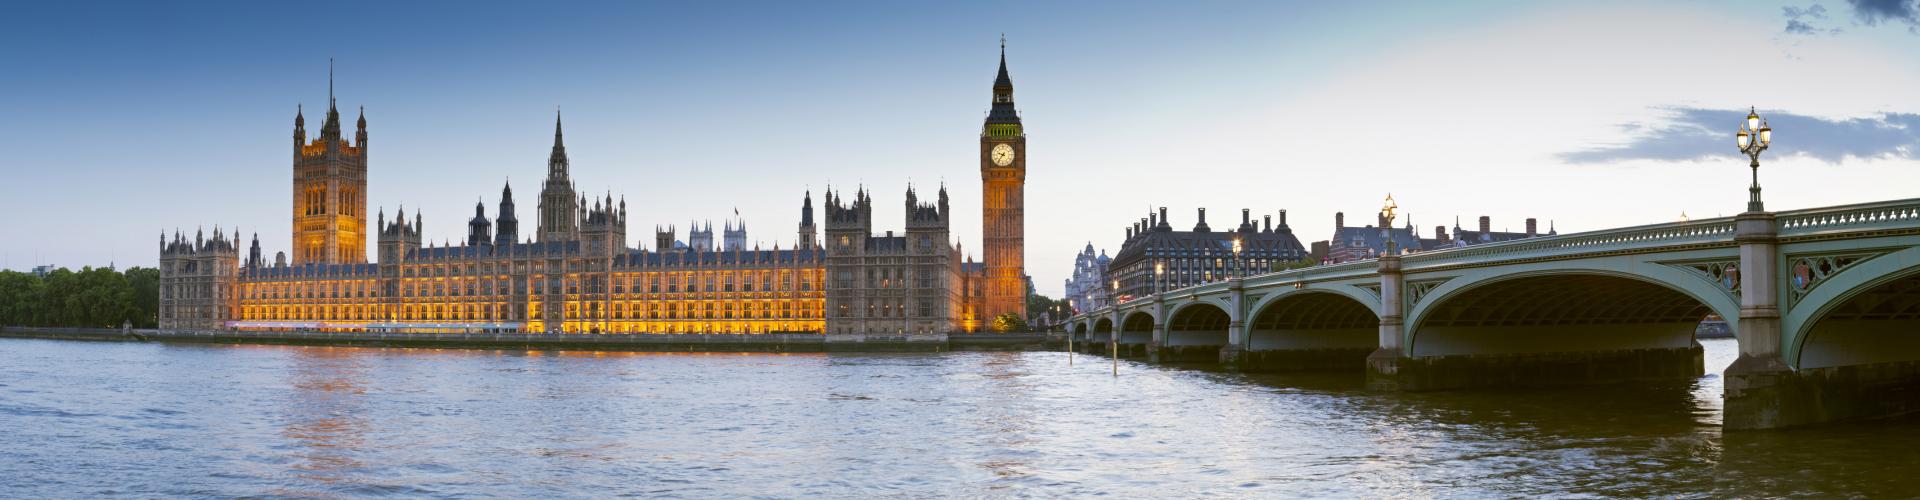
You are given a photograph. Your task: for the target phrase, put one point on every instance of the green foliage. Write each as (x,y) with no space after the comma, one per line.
(21,298)
(1295,264)
(98,298)
(146,296)
(1007,323)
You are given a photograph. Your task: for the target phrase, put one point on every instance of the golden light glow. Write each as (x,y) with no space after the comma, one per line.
(473,296)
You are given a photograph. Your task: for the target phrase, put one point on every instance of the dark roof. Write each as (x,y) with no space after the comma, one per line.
(886,243)
(1279,241)
(1370,237)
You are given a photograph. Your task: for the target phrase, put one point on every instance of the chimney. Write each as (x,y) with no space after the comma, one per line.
(1202,226)
(1130,232)
(1266,224)
(1246,217)
(1339,220)
(1163,217)
(1382,216)
(1440,233)
(1283,219)
(1533,226)
(1486,224)
(1150,220)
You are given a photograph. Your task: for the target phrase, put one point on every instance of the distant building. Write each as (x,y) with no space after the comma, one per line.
(1086,290)
(1366,242)
(1199,256)
(41,271)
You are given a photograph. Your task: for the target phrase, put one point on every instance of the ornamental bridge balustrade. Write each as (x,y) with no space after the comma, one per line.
(1825,304)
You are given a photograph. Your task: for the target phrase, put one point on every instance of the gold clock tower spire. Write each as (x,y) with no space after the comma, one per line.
(1003,179)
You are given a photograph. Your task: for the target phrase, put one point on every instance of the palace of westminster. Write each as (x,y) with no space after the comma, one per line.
(575,272)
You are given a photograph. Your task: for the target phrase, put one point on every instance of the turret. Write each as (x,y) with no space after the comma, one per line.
(808,238)
(506,226)
(479,230)
(663,238)
(299,129)
(254,259)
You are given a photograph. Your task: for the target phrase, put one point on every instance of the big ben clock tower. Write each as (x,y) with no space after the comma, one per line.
(1003,178)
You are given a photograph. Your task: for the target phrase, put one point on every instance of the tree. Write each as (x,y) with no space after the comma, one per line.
(1007,323)
(145,282)
(20,298)
(1295,264)
(89,298)
(104,299)
(55,303)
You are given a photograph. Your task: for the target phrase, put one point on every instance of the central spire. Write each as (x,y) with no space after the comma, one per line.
(557,162)
(1002,81)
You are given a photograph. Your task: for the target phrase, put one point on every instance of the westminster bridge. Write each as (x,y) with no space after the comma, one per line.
(1825,304)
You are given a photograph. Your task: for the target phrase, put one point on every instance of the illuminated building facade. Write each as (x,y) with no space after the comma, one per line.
(579,276)
(574,273)
(1003,180)
(329,191)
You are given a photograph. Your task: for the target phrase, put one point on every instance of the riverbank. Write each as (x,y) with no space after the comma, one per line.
(773,342)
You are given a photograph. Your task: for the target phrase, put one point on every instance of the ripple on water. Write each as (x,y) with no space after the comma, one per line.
(287,421)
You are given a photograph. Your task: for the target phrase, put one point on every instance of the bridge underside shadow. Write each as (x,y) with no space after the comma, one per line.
(1549,330)
(1195,334)
(1860,359)
(1136,335)
(1097,340)
(1309,331)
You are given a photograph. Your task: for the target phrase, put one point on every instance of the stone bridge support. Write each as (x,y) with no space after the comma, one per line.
(1384,366)
(1851,349)
(1232,356)
(1538,329)
(1760,384)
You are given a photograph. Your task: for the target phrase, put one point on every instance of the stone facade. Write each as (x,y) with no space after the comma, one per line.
(1003,179)
(197,280)
(891,283)
(1087,289)
(329,191)
(574,272)
(1199,256)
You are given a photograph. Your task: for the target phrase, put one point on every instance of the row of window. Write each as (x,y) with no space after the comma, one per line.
(510,312)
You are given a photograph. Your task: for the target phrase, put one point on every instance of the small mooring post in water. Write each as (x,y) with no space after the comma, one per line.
(1069,346)
(1114,340)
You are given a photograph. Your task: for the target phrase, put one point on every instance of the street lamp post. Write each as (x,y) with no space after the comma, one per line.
(1113,332)
(1753,138)
(1069,328)
(1386,230)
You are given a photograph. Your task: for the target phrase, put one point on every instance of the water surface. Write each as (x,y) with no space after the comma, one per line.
(87,419)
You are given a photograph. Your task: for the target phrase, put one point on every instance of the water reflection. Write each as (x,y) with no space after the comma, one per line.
(323,412)
(309,421)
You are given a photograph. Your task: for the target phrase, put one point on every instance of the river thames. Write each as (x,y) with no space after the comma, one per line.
(134,419)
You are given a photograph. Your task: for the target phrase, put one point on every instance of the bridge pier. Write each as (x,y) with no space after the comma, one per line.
(1385,365)
(1430,373)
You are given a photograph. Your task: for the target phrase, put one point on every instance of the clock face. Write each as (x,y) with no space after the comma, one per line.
(1002,155)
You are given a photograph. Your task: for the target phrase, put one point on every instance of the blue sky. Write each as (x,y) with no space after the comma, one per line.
(121,120)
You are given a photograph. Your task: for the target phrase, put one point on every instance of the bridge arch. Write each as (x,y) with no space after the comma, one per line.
(1362,297)
(1866,314)
(1313,320)
(1557,311)
(1135,333)
(1196,330)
